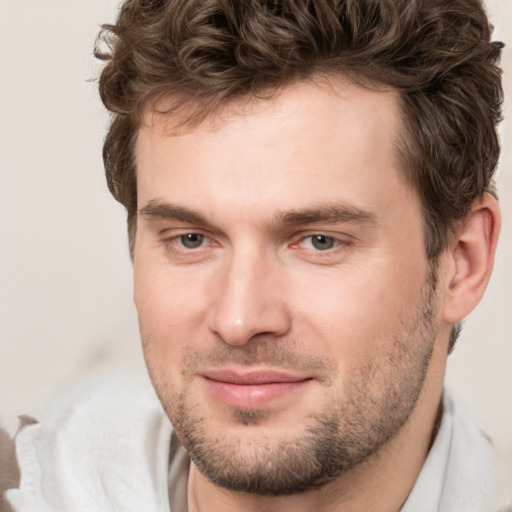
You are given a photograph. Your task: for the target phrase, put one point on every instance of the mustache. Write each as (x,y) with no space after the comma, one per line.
(266,353)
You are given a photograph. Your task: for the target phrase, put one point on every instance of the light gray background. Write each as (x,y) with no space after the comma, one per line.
(65,274)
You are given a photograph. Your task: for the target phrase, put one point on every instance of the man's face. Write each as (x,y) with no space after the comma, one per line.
(287,308)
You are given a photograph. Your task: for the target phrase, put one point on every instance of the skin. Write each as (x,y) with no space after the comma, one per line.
(361,322)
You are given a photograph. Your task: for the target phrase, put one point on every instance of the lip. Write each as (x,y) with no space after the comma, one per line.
(252,389)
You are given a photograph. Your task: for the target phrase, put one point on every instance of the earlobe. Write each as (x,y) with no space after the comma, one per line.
(471,259)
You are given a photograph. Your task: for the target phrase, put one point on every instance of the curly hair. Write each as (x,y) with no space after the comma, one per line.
(199,54)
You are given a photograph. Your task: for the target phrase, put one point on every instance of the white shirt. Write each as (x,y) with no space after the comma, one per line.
(108,449)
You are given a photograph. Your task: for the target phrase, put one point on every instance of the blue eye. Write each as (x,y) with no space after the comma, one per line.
(192,240)
(320,242)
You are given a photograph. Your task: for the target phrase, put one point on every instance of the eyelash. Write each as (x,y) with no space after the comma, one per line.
(177,240)
(332,241)
(336,242)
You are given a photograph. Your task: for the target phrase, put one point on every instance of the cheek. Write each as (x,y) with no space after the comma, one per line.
(354,315)
(169,310)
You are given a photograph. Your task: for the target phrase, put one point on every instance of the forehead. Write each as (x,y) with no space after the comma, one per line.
(176,116)
(309,142)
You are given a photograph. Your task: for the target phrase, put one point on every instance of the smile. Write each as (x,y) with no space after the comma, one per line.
(251,390)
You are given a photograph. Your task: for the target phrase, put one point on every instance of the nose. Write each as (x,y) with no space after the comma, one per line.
(249,300)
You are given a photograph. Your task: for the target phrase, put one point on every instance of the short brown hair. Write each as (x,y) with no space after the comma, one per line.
(201,53)
(436,53)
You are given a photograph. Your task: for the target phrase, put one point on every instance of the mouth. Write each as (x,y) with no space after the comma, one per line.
(253,389)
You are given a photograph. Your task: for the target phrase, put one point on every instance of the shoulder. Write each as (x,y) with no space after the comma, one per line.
(473,469)
(461,470)
(104,447)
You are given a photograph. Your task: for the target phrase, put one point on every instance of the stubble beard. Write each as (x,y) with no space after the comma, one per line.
(375,403)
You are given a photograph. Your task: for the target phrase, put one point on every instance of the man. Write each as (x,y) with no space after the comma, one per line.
(311,214)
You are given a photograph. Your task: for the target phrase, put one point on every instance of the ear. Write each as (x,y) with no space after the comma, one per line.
(471,259)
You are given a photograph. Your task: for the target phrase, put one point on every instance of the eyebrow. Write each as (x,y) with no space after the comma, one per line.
(329,213)
(156,209)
